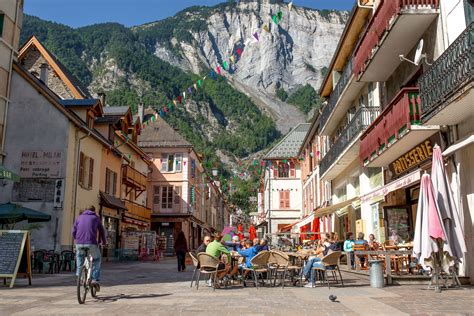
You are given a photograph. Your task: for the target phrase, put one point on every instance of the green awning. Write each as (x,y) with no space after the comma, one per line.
(9,175)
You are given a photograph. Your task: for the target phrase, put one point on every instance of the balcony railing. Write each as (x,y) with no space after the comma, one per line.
(448,74)
(136,209)
(396,119)
(336,93)
(133,177)
(380,23)
(361,120)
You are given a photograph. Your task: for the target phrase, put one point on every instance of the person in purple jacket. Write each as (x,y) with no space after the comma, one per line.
(85,232)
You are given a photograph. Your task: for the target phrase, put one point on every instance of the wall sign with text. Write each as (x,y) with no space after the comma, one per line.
(41,164)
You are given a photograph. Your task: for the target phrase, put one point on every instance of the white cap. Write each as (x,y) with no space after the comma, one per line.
(235,238)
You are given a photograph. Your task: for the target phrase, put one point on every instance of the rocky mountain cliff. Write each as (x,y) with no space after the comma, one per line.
(293,52)
(240,113)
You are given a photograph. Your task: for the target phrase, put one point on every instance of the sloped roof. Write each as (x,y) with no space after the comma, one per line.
(290,145)
(77,88)
(161,134)
(116,110)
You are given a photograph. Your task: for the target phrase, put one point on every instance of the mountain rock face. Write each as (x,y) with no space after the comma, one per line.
(295,51)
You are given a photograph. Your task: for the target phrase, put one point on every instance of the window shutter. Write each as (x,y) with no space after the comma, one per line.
(156,195)
(114,184)
(287,199)
(91,172)
(177,195)
(292,170)
(81,169)
(107,181)
(282,199)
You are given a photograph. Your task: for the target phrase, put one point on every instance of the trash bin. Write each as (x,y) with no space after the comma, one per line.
(376,273)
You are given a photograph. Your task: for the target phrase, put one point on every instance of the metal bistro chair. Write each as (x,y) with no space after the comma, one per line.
(68,260)
(208,265)
(195,260)
(330,263)
(278,264)
(259,266)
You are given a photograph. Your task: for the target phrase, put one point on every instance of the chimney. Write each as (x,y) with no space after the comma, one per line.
(102,98)
(44,73)
(140,112)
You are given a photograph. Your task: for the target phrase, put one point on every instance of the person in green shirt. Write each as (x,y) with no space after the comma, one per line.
(218,250)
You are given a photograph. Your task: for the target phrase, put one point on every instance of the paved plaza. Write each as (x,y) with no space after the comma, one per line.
(158,289)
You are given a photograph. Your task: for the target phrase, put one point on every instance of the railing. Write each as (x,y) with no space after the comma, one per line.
(134,177)
(402,112)
(336,93)
(138,210)
(380,23)
(448,74)
(361,120)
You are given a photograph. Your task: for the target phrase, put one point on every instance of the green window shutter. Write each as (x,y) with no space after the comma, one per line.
(2,16)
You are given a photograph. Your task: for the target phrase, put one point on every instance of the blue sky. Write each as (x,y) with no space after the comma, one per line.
(78,13)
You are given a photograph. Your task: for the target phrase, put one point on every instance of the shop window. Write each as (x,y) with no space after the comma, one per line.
(110,182)
(284,199)
(86,171)
(166,197)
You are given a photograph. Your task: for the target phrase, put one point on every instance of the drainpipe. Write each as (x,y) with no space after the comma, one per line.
(9,83)
(76,173)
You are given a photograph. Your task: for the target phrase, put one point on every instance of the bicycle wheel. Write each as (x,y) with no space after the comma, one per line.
(93,291)
(82,286)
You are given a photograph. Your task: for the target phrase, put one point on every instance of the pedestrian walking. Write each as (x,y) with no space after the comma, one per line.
(181,248)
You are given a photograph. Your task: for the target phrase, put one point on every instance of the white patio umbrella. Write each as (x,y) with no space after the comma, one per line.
(429,231)
(448,210)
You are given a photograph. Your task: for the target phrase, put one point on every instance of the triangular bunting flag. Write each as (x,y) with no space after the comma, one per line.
(218,70)
(232,58)
(180,99)
(280,15)
(255,35)
(275,19)
(195,87)
(199,83)
(266,28)
(239,51)
(290,5)
(225,65)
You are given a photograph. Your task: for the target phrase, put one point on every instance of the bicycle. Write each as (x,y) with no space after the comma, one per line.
(84,279)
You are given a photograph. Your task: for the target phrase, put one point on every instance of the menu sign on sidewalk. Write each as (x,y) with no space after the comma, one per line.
(14,255)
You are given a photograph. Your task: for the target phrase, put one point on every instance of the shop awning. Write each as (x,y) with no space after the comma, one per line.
(111,201)
(8,175)
(287,228)
(305,221)
(401,183)
(333,208)
(459,145)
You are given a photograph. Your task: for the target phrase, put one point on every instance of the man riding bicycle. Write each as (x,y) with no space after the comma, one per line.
(85,231)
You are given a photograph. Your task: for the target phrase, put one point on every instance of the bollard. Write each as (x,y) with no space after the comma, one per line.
(376,273)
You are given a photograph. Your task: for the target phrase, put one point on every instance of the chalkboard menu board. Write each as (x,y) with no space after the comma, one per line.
(14,254)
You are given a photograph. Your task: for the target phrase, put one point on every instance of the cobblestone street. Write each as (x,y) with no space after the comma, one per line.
(158,289)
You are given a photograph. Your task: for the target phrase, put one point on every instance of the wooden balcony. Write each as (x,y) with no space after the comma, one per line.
(134,178)
(137,211)
(395,29)
(395,131)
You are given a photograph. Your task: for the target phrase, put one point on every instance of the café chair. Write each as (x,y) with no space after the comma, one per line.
(259,266)
(330,263)
(68,260)
(208,265)
(278,263)
(195,260)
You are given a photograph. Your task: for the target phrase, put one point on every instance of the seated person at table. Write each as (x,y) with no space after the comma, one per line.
(349,247)
(373,244)
(203,246)
(263,245)
(217,249)
(250,252)
(361,242)
(315,261)
(256,241)
(234,244)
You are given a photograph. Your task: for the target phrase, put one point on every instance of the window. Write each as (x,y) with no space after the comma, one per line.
(167,197)
(193,168)
(156,196)
(171,162)
(110,182)
(285,199)
(283,170)
(86,171)
(2,18)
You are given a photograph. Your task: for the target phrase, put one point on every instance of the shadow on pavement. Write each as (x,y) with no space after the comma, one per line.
(115,298)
